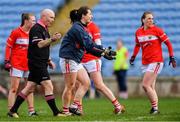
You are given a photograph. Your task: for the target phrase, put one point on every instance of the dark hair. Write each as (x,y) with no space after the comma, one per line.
(73,15)
(25,16)
(144,16)
(76,15)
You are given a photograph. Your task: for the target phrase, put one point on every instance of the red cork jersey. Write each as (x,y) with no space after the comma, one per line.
(18,41)
(94,32)
(150,41)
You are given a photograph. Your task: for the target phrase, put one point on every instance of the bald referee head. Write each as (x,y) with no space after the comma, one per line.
(47,17)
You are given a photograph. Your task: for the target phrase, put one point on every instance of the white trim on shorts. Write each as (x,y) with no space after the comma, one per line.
(93,65)
(19,73)
(68,66)
(153,67)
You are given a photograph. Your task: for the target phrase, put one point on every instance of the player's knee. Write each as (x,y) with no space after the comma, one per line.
(99,87)
(86,87)
(31,90)
(14,90)
(145,87)
(70,85)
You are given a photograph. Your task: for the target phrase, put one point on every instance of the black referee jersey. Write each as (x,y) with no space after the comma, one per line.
(38,57)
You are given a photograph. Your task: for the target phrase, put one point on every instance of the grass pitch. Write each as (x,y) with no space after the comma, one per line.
(137,109)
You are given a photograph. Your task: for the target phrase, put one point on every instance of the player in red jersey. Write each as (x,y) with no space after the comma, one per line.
(149,38)
(16,59)
(93,66)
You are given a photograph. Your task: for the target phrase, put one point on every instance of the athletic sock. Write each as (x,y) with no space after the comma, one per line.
(80,107)
(19,100)
(116,103)
(154,105)
(65,109)
(75,104)
(51,102)
(31,109)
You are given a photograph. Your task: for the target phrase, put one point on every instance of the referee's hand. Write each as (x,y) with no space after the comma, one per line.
(56,37)
(51,64)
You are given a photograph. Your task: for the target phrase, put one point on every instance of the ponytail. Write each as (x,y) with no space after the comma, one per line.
(25,16)
(73,15)
(76,14)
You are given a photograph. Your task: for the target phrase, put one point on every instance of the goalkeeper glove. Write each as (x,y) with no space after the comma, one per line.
(7,65)
(172,61)
(131,61)
(109,54)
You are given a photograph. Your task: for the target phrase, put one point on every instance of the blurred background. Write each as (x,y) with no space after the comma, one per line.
(117,19)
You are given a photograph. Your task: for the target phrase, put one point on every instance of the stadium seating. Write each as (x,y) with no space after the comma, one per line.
(10,15)
(120,19)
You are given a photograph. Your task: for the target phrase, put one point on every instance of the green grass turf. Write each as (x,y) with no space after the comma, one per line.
(137,109)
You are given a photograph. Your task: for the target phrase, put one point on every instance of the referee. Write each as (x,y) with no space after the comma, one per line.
(38,61)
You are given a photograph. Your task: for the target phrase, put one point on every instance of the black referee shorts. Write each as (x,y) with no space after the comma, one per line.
(38,75)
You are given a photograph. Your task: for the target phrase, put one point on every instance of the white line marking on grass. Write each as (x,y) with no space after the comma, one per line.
(144,117)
